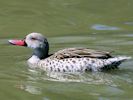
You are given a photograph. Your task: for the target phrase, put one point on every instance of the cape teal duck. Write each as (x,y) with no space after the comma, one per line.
(69,59)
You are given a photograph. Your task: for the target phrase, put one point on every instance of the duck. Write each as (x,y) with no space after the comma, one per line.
(69,59)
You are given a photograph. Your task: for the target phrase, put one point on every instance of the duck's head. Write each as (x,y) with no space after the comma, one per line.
(35,41)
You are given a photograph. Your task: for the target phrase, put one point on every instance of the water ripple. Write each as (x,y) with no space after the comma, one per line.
(104,27)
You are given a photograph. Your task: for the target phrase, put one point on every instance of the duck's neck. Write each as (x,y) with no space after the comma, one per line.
(41,52)
(33,61)
(38,54)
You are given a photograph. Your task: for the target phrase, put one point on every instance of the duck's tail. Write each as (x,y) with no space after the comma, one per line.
(114,62)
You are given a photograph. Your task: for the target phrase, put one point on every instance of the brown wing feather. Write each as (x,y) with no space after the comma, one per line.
(81,52)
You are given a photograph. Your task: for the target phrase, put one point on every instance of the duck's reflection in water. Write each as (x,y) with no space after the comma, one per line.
(36,79)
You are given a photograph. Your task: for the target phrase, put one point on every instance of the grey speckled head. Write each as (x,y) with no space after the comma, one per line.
(35,40)
(39,43)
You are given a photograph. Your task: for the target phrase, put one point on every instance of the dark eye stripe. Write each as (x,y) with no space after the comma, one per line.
(33,38)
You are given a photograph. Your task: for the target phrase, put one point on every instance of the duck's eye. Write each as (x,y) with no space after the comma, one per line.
(33,38)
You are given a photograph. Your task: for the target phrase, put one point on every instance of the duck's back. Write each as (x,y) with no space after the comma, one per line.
(81,53)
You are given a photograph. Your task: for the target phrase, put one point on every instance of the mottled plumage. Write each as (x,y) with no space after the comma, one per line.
(80,53)
(67,60)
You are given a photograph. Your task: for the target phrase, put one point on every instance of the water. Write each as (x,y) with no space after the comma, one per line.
(98,24)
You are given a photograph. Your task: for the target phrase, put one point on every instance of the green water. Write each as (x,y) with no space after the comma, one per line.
(98,24)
